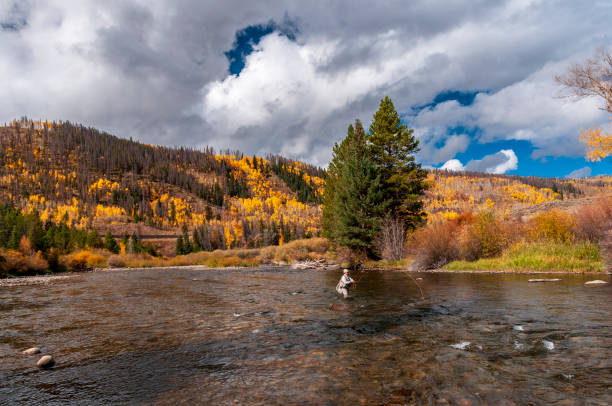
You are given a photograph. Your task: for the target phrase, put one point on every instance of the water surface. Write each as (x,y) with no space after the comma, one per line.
(270,337)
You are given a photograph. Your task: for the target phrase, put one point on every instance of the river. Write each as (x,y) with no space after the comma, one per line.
(281,337)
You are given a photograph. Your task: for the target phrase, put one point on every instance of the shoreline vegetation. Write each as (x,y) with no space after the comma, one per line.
(551,241)
(531,258)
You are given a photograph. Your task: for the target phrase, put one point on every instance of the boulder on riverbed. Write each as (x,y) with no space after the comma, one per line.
(31,351)
(596,282)
(46,361)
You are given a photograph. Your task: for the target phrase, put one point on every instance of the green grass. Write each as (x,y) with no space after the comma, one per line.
(543,256)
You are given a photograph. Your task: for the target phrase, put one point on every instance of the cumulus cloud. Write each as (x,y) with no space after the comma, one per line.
(579,173)
(453,165)
(157,71)
(498,163)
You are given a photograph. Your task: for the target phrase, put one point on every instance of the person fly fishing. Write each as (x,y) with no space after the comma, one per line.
(345,283)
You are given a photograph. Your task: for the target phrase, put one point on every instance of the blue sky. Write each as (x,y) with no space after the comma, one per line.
(474,78)
(553,166)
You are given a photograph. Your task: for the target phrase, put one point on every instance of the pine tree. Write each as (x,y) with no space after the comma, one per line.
(187,247)
(94,240)
(110,243)
(328,219)
(392,147)
(179,245)
(358,203)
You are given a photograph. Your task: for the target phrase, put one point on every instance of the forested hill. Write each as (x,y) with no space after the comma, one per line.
(87,178)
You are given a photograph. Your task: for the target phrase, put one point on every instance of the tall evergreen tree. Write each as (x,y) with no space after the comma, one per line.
(328,220)
(392,147)
(358,202)
(110,243)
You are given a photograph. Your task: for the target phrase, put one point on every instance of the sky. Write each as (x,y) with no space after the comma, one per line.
(473,78)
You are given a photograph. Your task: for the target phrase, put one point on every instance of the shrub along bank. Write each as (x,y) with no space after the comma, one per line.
(16,263)
(549,241)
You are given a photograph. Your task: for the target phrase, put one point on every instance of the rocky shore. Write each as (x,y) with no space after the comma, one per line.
(34,280)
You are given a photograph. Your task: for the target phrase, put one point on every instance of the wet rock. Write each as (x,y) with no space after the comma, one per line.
(541,347)
(46,361)
(596,282)
(461,346)
(518,328)
(467,346)
(544,280)
(31,351)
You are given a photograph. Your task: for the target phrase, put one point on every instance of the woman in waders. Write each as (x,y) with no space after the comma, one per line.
(345,284)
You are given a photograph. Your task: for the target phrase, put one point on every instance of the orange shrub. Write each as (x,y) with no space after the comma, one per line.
(96,261)
(435,245)
(554,225)
(485,238)
(592,220)
(16,262)
(77,261)
(25,246)
(36,263)
(116,261)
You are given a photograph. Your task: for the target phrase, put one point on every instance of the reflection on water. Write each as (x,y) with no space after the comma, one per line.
(268,337)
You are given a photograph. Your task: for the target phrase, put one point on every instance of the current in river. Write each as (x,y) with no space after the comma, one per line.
(283,337)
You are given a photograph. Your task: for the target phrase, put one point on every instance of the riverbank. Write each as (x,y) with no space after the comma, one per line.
(50,278)
(37,279)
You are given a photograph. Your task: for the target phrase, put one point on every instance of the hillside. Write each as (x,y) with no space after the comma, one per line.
(90,179)
(452,193)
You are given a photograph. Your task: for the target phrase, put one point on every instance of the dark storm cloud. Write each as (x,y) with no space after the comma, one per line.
(159,72)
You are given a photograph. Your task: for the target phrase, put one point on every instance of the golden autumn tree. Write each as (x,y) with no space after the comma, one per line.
(593,78)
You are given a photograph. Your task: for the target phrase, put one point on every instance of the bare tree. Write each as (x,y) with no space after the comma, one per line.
(392,239)
(591,78)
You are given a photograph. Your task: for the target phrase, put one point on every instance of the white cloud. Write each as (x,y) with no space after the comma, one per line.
(579,173)
(498,163)
(453,165)
(157,71)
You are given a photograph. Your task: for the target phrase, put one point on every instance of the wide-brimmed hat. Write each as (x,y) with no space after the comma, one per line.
(345,270)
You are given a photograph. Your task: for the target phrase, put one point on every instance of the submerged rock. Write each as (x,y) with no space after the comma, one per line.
(596,282)
(541,347)
(31,351)
(46,361)
(467,346)
(549,345)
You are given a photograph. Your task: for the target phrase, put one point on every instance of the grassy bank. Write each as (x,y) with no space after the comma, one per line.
(539,256)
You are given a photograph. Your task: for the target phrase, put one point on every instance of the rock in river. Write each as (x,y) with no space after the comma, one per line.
(596,282)
(31,351)
(544,280)
(46,361)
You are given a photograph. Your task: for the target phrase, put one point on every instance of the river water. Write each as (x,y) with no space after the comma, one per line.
(280,337)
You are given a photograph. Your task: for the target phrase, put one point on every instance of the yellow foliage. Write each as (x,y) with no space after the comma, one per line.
(109,211)
(599,145)
(554,225)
